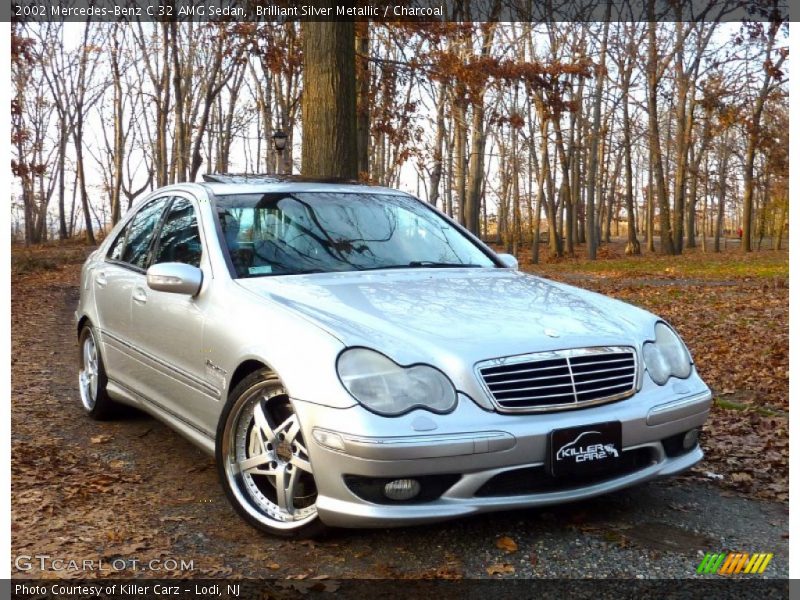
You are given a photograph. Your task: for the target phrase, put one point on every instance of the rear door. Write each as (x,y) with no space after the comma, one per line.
(114,282)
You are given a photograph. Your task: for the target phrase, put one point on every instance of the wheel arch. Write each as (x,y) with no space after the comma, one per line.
(82,323)
(245,368)
(291,365)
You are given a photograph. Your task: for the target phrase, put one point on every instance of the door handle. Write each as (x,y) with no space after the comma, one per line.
(139,295)
(100,279)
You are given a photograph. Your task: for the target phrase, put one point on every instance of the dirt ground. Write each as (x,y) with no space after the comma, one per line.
(130,491)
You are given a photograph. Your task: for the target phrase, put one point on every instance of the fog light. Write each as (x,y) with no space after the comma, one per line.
(402,489)
(690,439)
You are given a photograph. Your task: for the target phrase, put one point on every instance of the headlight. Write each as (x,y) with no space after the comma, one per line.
(390,389)
(667,356)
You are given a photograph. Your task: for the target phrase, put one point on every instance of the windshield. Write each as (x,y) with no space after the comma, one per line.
(284,234)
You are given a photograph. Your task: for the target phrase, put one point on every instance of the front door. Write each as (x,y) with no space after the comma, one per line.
(168,328)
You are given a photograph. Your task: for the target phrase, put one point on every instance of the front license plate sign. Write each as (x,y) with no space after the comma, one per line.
(585,450)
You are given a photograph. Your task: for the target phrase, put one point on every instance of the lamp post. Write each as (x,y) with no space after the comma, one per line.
(279,139)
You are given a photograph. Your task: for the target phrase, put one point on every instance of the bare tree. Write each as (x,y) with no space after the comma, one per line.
(772,74)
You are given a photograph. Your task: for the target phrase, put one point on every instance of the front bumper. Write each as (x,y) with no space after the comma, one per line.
(477,448)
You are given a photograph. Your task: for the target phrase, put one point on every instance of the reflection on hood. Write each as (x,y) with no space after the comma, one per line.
(483,312)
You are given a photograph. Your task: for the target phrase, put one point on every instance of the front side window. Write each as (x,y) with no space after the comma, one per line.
(179,240)
(309,232)
(139,238)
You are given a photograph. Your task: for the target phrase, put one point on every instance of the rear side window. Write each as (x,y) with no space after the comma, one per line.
(139,238)
(179,240)
(115,252)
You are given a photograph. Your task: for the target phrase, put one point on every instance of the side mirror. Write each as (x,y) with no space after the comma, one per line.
(177,278)
(509,261)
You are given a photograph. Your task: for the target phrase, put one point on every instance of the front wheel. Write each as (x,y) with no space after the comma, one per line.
(263,461)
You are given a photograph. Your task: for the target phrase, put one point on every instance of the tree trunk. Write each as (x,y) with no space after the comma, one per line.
(436,169)
(591,233)
(62,151)
(747,203)
(551,208)
(180,126)
(632,246)
(362,100)
(81,174)
(459,153)
(502,201)
(651,211)
(691,215)
(723,183)
(665,233)
(477,146)
(537,223)
(119,139)
(448,181)
(329,100)
(78,139)
(162,110)
(781,224)
(611,208)
(683,130)
(565,192)
(517,225)
(705,209)
(472,200)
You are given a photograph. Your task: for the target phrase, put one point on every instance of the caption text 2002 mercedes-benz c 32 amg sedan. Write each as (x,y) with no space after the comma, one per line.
(355,358)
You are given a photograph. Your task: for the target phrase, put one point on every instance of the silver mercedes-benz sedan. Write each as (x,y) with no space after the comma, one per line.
(353,357)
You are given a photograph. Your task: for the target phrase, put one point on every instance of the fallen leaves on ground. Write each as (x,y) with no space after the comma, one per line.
(500,569)
(507,544)
(76,482)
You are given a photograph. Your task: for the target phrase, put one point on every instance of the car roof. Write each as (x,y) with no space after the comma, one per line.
(232,184)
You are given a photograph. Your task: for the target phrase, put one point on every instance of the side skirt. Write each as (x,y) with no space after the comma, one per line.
(198,437)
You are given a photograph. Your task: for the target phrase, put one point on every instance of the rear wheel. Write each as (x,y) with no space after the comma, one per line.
(92,378)
(263,460)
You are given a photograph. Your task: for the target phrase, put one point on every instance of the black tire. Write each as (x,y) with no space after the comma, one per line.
(242,491)
(100,407)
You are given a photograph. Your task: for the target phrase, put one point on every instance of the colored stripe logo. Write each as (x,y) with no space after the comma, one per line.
(734,563)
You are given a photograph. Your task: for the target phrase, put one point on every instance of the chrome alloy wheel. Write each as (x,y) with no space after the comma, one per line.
(266,461)
(89,374)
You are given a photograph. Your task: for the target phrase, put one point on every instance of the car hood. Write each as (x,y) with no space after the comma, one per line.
(455,316)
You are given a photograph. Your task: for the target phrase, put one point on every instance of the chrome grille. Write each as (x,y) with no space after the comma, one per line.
(560,380)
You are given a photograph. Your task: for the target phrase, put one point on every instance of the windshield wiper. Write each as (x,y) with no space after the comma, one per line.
(300,272)
(442,265)
(305,272)
(422,264)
